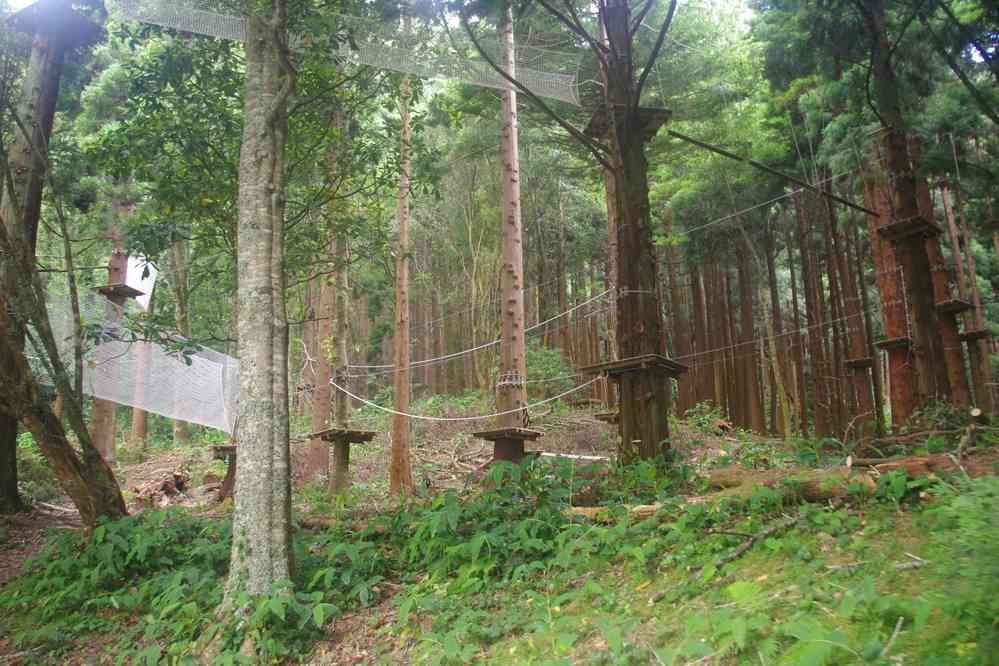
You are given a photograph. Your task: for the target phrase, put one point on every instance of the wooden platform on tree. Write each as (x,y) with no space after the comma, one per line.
(894,343)
(118,292)
(650,120)
(523,434)
(345,435)
(953,306)
(862,362)
(910,227)
(508,443)
(56,17)
(973,335)
(654,362)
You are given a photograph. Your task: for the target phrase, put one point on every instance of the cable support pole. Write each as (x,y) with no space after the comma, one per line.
(770,170)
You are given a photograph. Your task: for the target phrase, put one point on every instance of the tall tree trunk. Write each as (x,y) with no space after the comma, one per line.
(816,332)
(440,370)
(679,320)
(872,351)
(400,467)
(261,528)
(924,348)
(140,417)
(317,454)
(777,342)
(954,379)
(645,395)
(834,318)
(611,277)
(340,470)
(902,383)
(980,359)
(800,392)
(856,333)
(564,324)
(181,290)
(102,424)
(35,111)
(511,391)
(750,371)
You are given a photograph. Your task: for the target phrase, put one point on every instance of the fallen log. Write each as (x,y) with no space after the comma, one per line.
(813,485)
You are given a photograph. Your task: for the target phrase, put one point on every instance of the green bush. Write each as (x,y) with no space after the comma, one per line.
(967,540)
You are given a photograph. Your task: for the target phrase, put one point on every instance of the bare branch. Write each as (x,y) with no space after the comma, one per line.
(655,54)
(637,23)
(598,151)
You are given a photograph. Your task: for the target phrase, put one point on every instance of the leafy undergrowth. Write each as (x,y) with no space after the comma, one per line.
(504,575)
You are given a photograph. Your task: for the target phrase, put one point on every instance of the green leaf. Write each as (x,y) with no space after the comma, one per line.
(277,607)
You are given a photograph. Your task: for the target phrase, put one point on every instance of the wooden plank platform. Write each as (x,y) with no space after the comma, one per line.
(953,306)
(522,434)
(898,230)
(52,17)
(862,362)
(655,362)
(345,435)
(973,335)
(118,291)
(893,343)
(649,119)
(508,443)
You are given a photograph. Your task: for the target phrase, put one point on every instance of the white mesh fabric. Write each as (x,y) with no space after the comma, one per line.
(201,386)
(425,51)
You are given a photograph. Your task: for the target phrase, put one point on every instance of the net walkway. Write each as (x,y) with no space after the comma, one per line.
(426,49)
(197,385)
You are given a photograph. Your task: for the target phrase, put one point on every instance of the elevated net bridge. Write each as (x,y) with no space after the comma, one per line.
(424,47)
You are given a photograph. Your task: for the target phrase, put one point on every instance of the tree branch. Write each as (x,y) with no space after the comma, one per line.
(941,48)
(576,27)
(637,23)
(598,151)
(654,55)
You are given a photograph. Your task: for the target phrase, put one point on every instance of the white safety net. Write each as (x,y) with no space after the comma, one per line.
(425,49)
(195,384)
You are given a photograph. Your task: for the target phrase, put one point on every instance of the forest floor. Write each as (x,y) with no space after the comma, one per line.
(763,578)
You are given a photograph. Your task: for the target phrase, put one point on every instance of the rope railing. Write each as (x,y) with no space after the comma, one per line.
(424,417)
(472,350)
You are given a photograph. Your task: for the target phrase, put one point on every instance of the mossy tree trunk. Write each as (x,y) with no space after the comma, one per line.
(261,531)
(36,108)
(81,471)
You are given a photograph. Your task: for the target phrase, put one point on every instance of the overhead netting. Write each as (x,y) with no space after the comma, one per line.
(196,384)
(425,48)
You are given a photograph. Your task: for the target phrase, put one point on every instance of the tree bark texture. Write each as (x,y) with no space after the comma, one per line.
(261,531)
